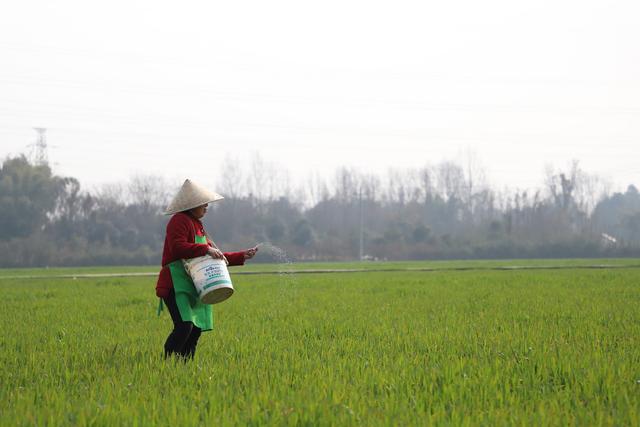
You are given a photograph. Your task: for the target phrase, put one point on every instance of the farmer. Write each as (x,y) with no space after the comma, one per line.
(186,238)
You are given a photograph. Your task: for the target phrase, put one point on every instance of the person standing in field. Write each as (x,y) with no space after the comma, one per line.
(186,238)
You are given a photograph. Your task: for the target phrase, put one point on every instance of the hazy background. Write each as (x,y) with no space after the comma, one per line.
(150,87)
(335,130)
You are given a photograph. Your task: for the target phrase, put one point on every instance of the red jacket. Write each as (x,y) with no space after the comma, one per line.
(178,244)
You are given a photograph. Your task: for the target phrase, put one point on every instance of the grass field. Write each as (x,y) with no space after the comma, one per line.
(528,347)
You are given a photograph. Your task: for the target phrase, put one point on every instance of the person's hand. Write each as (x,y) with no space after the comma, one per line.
(250,253)
(216,253)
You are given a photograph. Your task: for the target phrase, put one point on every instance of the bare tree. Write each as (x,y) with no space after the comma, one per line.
(148,191)
(346,184)
(316,189)
(404,186)
(267,181)
(110,195)
(451,181)
(256,178)
(426,178)
(231,182)
(370,187)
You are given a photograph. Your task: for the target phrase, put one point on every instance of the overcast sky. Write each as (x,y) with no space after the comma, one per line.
(172,88)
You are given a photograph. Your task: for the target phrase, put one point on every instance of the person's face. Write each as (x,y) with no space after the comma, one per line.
(200,211)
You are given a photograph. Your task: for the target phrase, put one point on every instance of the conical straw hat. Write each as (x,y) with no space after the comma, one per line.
(190,196)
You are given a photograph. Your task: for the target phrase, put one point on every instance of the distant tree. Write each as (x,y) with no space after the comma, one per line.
(149,192)
(28,193)
(346,184)
(72,210)
(303,234)
(276,230)
(231,179)
(316,190)
(439,211)
(631,223)
(451,180)
(617,215)
(420,233)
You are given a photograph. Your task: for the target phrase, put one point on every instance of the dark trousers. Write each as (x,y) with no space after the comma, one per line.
(182,341)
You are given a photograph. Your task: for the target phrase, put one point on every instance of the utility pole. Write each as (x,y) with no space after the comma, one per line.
(40,147)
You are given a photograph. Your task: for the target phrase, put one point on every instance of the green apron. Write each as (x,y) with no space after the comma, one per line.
(187,300)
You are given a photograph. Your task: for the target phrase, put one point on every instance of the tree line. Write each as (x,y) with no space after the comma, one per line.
(440,211)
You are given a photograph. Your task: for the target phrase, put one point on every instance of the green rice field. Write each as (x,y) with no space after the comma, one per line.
(476,346)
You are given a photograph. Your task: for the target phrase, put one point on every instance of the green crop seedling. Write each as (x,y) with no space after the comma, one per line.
(477,347)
